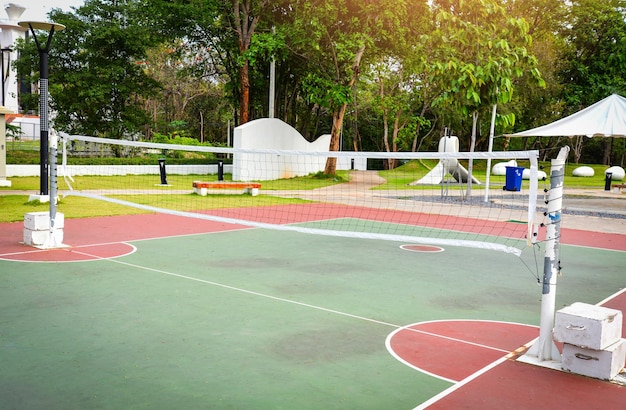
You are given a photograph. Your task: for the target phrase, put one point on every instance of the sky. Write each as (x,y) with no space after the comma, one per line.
(37,10)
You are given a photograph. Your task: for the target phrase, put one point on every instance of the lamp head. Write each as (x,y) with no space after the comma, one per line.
(41,25)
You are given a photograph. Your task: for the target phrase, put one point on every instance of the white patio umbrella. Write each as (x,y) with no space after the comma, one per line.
(606,118)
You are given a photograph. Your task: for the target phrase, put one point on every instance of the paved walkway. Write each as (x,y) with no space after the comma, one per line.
(600,207)
(604,211)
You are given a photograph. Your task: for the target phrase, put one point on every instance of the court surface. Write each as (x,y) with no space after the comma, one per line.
(159,311)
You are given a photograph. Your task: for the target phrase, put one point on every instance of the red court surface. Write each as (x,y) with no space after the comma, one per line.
(112,230)
(110,241)
(480,358)
(470,345)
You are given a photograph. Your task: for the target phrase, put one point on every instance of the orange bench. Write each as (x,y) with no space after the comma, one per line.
(202,188)
(618,188)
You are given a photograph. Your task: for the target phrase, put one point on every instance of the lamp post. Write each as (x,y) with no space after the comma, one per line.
(5,61)
(43,97)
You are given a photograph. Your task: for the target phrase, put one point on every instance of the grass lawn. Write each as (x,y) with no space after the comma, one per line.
(15,206)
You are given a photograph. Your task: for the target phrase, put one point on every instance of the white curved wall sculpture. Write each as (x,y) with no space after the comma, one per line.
(274,134)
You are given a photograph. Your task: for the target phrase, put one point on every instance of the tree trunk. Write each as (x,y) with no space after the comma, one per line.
(608,145)
(470,163)
(244,103)
(201,127)
(577,142)
(393,162)
(245,26)
(335,136)
(415,146)
(381,93)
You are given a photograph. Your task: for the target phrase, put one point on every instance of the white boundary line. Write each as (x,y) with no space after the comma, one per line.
(436,249)
(69,249)
(613,296)
(463,382)
(250,292)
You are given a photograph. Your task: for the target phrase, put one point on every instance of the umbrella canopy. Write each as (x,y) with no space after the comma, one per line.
(606,118)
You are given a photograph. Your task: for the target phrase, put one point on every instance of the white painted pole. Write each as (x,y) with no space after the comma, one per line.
(491,136)
(272,87)
(4,182)
(53,243)
(272,83)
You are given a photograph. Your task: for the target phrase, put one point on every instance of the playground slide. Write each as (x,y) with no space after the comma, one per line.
(462,173)
(437,175)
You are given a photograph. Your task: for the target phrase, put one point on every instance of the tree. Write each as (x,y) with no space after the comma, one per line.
(546,18)
(481,50)
(337,38)
(173,67)
(225,28)
(393,102)
(95,83)
(595,58)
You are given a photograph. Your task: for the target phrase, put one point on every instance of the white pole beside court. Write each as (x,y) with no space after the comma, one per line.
(492,130)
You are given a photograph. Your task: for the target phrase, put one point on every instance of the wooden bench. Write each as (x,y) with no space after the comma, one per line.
(201,188)
(619,188)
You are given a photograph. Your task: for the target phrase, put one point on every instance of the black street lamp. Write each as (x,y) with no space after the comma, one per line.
(5,61)
(43,95)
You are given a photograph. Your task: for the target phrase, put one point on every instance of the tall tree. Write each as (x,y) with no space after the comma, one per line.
(595,58)
(481,50)
(337,38)
(546,19)
(95,83)
(224,28)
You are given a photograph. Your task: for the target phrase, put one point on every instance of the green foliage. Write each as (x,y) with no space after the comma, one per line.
(595,56)
(94,79)
(479,62)
(13,132)
(325,92)
(265,46)
(131,67)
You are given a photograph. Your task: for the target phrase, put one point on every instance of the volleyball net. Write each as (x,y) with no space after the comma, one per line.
(420,198)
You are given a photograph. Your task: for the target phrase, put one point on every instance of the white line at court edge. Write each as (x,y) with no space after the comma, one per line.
(463,382)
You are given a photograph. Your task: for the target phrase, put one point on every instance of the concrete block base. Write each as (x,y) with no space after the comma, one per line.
(600,364)
(37,230)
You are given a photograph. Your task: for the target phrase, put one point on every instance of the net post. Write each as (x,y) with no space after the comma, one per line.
(544,349)
(4,182)
(55,235)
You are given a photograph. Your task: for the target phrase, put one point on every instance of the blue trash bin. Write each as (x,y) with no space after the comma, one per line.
(513,178)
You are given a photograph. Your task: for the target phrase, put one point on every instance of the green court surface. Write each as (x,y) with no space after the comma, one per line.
(257,319)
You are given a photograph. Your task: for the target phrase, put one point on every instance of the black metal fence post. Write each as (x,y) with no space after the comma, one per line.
(162,171)
(607,181)
(220,170)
